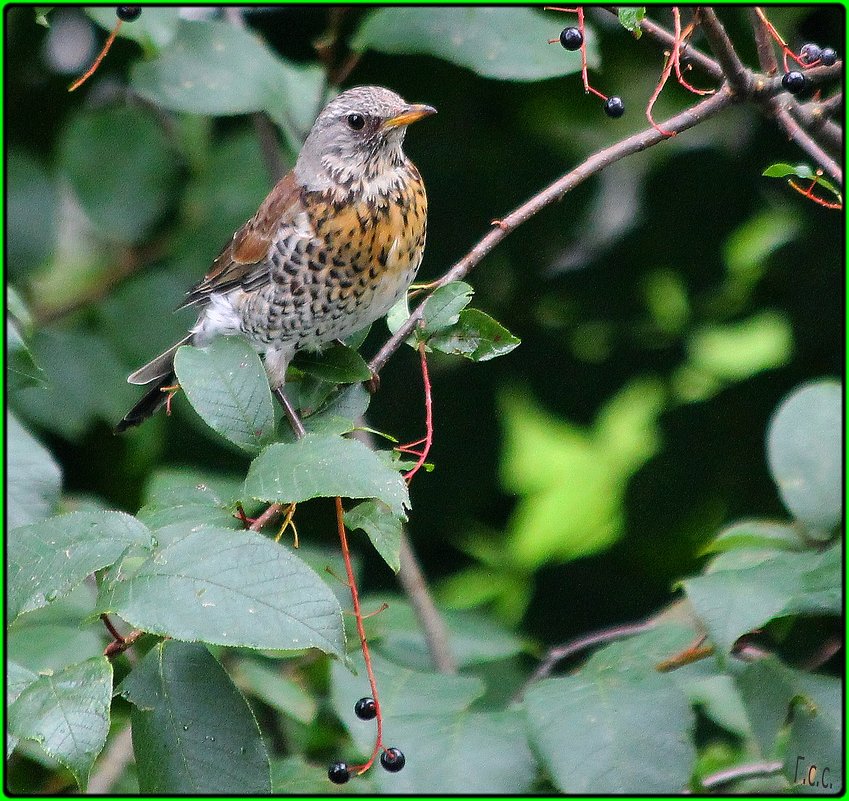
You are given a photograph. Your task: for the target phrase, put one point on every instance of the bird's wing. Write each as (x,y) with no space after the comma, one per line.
(244,260)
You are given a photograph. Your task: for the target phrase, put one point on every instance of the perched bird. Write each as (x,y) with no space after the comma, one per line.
(331,249)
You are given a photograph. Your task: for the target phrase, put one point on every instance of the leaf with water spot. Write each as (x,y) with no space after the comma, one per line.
(226,587)
(193,732)
(48,559)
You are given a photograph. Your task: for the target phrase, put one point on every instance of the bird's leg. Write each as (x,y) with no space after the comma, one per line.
(172,391)
(291,414)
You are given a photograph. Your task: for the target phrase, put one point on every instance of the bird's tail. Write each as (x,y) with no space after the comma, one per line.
(159,372)
(151,401)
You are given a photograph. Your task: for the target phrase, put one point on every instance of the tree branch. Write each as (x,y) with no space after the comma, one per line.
(738,772)
(552,193)
(412,580)
(733,69)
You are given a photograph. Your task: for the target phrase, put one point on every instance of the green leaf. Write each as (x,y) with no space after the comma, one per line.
(473,638)
(782,170)
(48,559)
(67,713)
(630,19)
(121,168)
(719,699)
(320,466)
(33,479)
(31,194)
(276,689)
(226,384)
(737,351)
(338,365)
(181,495)
(805,451)
(383,528)
(476,336)
(618,715)
(234,588)
(85,382)
(193,732)
(427,716)
(731,602)
(153,30)
(21,369)
(505,43)
(756,534)
(442,309)
(218,69)
(18,678)
(293,776)
(51,638)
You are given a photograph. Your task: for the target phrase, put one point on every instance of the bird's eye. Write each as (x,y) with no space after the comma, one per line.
(356,121)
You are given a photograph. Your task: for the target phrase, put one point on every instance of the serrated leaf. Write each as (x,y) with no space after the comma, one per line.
(383,528)
(805,451)
(226,587)
(67,713)
(630,19)
(442,309)
(476,336)
(731,602)
(592,717)
(505,43)
(33,479)
(48,559)
(782,170)
(338,365)
(226,385)
(320,466)
(427,716)
(193,732)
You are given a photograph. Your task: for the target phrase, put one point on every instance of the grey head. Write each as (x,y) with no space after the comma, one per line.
(357,139)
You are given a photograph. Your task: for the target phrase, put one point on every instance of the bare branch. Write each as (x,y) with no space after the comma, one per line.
(753,770)
(413,582)
(735,71)
(764,43)
(552,193)
(797,134)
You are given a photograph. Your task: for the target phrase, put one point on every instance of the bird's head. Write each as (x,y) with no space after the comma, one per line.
(357,139)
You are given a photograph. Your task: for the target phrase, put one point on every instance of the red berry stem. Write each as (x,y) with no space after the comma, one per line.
(358,616)
(678,46)
(91,70)
(809,193)
(427,440)
(584,77)
(786,51)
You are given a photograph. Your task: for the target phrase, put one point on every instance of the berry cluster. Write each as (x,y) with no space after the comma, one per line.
(391,759)
(810,55)
(572,38)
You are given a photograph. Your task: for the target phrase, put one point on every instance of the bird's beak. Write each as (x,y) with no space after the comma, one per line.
(409,114)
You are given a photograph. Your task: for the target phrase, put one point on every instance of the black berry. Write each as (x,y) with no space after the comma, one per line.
(571,38)
(128,13)
(828,56)
(614,107)
(810,53)
(338,773)
(365,709)
(392,760)
(793,81)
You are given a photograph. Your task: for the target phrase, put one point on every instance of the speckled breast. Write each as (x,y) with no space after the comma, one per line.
(349,264)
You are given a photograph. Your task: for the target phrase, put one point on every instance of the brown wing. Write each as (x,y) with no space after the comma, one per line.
(243,260)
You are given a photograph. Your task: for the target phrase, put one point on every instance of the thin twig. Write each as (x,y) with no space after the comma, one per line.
(753,770)
(552,193)
(582,643)
(271,513)
(412,580)
(804,140)
(733,68)
(667,39)
(764,43)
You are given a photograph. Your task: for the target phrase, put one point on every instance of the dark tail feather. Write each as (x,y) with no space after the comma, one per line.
(152,401)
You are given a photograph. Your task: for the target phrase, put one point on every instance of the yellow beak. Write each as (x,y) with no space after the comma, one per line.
(408,115)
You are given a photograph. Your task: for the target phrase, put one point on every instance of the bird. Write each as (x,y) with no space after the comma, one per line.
(331,249)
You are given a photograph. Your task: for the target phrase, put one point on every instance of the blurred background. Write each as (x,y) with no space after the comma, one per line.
(664,307)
